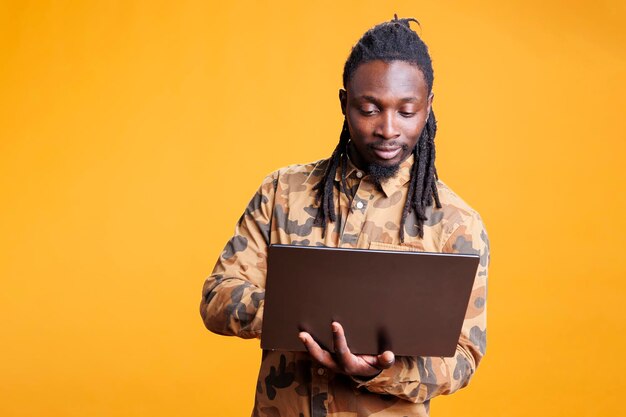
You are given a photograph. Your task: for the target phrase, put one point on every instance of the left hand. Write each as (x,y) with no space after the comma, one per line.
(344,361)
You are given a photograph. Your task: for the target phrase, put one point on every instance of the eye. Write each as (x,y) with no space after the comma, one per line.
(368,111)
(407,114)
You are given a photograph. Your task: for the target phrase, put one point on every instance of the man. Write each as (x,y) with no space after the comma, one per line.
(378,190)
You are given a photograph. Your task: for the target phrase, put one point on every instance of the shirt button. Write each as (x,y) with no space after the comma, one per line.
(321,371)
(359,174)
(359,205)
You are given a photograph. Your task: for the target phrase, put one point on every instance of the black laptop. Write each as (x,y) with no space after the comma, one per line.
(412,303)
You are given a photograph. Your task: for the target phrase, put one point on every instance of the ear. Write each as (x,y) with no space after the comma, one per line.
(343,100)
(430,103)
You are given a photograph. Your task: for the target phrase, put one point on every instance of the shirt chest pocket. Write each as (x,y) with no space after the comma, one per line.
(403,247)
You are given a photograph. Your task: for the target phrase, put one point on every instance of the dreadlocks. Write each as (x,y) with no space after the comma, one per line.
(388,41)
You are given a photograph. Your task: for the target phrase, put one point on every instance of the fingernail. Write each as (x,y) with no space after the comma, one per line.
(335,327)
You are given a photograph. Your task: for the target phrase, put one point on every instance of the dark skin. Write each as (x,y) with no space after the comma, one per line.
(386,106)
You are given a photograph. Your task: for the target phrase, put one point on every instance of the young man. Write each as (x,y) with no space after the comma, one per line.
(378,190)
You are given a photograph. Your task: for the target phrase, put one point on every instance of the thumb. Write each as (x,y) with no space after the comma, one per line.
(386,359)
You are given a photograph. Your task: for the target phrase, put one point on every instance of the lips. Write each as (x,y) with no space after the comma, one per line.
(388,152)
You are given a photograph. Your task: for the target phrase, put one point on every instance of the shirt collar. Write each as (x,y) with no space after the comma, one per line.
(391,185)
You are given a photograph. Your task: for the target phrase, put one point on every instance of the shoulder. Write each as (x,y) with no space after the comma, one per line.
(466,229)
(457,213)
(451,201)
(300,169)
(298,174)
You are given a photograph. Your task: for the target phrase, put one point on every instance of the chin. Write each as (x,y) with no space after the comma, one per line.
(381,172)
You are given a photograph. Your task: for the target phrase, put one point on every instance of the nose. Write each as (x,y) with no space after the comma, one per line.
(387,127)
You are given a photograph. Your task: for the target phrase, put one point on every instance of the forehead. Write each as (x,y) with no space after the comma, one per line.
(393,79)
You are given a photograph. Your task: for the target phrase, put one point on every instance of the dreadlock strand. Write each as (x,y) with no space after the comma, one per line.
(421,172)
(436,196)
(427,197)
(433,177)
(344,168)
(409,196)
(324,187)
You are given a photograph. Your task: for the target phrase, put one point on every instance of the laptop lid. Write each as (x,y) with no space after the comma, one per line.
(412,303)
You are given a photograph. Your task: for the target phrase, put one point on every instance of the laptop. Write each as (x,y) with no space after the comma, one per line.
(412,303)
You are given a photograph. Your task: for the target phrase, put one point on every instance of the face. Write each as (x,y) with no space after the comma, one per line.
(386,105)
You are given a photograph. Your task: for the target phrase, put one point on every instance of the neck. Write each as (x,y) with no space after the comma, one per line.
(353,156)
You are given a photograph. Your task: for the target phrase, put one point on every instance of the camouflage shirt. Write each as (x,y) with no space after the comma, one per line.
(283,211)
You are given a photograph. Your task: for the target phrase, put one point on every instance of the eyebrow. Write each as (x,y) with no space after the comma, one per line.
(375,100)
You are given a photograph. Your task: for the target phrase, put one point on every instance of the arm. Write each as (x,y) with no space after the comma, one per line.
(233,295)
(418,379)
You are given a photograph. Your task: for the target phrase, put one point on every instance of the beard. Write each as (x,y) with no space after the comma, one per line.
(381,173)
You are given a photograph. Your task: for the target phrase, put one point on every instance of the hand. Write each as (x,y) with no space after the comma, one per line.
(343,361)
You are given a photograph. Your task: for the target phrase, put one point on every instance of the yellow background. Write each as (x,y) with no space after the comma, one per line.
(133,133)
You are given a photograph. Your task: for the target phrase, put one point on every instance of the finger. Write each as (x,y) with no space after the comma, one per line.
(350,363)
(320,355)
(386,360)
(371,360)
(342,352)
